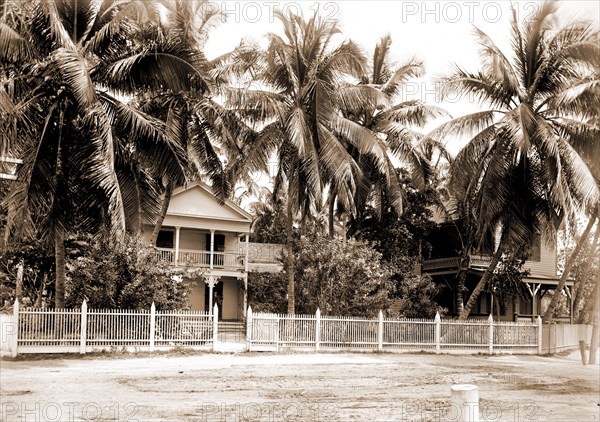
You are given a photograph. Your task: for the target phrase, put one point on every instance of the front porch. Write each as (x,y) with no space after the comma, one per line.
(224,291)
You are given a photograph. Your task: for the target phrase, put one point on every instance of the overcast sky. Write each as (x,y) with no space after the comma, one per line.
(437,32)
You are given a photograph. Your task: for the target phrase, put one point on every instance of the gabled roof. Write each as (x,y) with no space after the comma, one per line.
(197,200)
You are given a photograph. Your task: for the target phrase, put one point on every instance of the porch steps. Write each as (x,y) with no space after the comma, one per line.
(232,332)
(232,327)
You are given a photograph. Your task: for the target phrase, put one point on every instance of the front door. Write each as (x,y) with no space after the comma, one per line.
(217,297)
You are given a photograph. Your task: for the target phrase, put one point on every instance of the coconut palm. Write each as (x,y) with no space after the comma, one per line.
(296,100)
(374,104)
(520,171)
(580,98)
(210,130)
(66,65)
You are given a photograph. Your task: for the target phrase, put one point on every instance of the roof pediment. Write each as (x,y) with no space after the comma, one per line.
(197,200)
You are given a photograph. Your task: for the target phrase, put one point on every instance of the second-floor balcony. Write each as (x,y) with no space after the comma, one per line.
(451,263)
(202,259)
(254,253)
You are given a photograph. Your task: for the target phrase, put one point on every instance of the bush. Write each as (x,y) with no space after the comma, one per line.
(126,276)
(267,292)
(38,274)
(417,298)
(338,277)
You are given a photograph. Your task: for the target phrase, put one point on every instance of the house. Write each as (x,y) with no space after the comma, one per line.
(442,265)
(210,242)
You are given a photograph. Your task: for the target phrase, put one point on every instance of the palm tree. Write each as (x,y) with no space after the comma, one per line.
(65,64)
(373,104)
(299,119)
(520,172)
(585,138)
(204,123)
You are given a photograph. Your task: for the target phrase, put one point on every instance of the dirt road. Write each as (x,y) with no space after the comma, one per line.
(294,387)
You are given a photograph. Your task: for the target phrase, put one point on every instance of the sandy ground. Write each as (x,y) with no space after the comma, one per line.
(294,387)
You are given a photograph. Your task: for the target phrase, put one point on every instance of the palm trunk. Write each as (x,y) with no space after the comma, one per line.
(595,299)
(137,224)
(580,283)
(290,253)
(59,256)
(163,212)
(486,277)
(587,313)
(568,266)
(19,289)
(461,276)
(59,230)
(330,214)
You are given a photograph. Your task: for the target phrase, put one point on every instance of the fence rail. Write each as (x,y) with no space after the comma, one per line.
(81,330)
(278,331)
(33,330)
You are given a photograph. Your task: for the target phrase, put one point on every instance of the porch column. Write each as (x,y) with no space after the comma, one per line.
(212,246)
(534,305)
(211,281)
(246,272)
(177,245)
(247,248)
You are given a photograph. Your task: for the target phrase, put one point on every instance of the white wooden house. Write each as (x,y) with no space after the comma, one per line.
(542,266)
(210,241)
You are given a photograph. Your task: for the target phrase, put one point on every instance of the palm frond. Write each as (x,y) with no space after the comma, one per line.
(464,126)
(413,69)
(13,47)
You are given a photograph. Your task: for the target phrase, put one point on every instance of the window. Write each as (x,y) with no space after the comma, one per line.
(219,242)
(165,239)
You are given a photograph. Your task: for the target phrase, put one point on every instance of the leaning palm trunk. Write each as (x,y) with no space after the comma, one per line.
(486,277)
(580,283)
(587,313)
(290,253)
(163,212)
(568,266)
(595,299)
(461,276)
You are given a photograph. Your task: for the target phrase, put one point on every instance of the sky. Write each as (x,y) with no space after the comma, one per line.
(439,33)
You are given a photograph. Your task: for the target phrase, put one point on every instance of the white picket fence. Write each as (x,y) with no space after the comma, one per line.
(275,332)
(560,337)
(81,330)
(35,330)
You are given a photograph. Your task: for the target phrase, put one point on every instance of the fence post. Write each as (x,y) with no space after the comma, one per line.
(15,342)
(438,333)
(152,325)
(83,335)
(317,329)
(491,334)
(540,330)
(380,332)
(278,332)
(215,327)
(249,328)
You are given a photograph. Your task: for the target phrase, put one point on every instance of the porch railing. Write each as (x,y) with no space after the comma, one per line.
(199,258)
(476,261)
(265,253)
